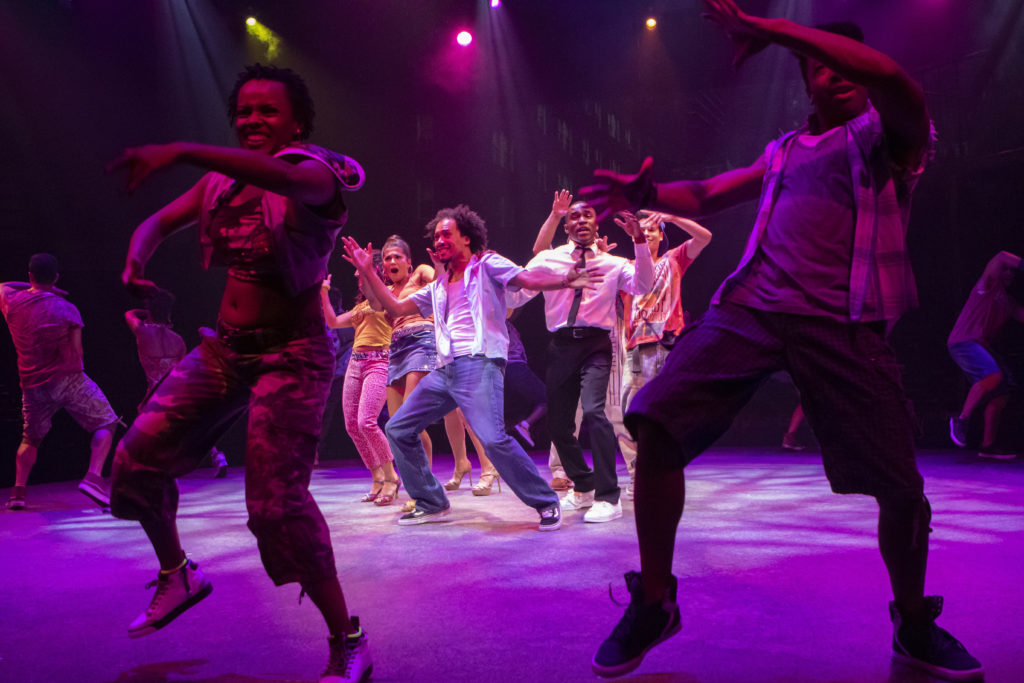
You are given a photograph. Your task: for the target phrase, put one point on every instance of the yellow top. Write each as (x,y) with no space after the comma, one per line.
(372,327)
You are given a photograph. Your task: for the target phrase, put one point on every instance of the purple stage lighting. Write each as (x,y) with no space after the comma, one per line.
(495,4)
(464,38)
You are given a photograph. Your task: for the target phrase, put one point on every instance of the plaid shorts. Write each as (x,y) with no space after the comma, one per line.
(848,378)
(76,394)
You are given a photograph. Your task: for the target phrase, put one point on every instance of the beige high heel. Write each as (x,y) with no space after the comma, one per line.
(487,480)
(455,482)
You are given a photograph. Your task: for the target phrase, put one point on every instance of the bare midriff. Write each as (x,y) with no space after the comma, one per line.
(251,305)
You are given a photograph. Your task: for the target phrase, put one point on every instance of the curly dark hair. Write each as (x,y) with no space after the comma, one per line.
(469,223)
(298,93)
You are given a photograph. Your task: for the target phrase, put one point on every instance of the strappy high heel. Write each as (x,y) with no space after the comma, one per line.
(388,498)
(372,495)
(455,482)
(487,481)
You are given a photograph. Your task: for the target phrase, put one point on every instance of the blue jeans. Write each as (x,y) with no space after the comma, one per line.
(475,384)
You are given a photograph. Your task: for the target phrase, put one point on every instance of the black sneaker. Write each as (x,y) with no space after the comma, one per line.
(421,516)
(640,629)
(550,518)
(927,647)
(958,430)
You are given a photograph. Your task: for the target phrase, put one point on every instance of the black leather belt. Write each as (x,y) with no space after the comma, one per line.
(579,332)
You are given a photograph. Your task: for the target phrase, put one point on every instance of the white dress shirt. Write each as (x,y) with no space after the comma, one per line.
(597,308)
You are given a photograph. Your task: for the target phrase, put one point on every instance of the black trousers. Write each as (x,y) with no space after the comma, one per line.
(578,371)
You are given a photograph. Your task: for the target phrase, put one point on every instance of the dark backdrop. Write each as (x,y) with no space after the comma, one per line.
(548,91)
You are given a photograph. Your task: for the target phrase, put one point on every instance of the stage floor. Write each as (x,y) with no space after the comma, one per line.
(779,580)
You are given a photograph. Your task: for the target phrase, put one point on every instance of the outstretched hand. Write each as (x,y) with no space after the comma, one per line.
(628,221)
(584,278)
(562,202)
(612,192)
(326,284)
(744,30)
(604,246)
(141,162)
(436,262)
(361,258)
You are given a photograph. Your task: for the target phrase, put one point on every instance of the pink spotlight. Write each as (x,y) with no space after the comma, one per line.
(464,38)
(495,4)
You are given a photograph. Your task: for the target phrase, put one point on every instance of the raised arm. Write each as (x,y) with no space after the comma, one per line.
(614,192)
(898,98)
(332,319)
(8,288)
(152,231)
(700,236)
(643,265)
(135,317)
(308,181)
(363,262)
(546,235)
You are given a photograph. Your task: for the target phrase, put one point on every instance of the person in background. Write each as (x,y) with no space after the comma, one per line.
(160,348)
(47,332)
(971,345)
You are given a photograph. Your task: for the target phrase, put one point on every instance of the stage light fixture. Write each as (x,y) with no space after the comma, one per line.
(464,38)
(270,40)
(495,4)
(651,23)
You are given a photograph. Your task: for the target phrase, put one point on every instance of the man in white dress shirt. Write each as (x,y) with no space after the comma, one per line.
(580,354)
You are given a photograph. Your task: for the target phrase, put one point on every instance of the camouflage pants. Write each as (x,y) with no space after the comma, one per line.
(284,390)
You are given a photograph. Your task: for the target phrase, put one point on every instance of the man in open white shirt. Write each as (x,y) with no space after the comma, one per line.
(580,354)
(467,301)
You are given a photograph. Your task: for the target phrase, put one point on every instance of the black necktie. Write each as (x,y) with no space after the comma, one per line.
(580,254)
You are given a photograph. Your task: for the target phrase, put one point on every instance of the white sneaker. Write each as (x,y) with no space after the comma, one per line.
(630,491)
(603,511)
(349,659)
(577,501)
(175,593)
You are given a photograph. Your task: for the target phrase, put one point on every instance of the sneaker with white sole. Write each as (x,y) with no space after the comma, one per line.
(93,487)
(550,518)
(603,511)
(349,659)
(925,646)
(176,591)
(577,501)
(17,499)
(421,516)
(641,628)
